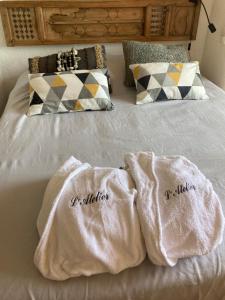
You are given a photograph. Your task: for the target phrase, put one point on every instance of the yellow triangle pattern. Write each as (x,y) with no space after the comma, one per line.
(174,76)
(136,72)
(93,88)
(179,67)
(58,81)
(78,106)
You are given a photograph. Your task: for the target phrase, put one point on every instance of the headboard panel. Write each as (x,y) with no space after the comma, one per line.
(32,22)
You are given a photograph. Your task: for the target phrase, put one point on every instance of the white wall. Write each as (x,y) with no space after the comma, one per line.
(198,46)
(213,61)
(13,60)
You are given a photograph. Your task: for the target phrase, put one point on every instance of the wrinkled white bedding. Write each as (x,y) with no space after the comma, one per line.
(32,149)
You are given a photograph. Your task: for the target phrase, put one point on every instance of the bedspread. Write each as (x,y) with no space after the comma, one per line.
(33,148)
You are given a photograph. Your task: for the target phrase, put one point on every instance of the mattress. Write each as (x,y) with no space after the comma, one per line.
(32,149)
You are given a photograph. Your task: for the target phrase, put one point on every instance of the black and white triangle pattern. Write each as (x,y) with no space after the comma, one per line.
(69,91)
(168,81)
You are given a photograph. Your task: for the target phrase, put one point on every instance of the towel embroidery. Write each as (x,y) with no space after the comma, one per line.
(179,190)
(91,198)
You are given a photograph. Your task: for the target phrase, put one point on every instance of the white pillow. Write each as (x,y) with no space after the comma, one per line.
(168,81)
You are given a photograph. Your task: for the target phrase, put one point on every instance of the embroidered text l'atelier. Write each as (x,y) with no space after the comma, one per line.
(91,198)
(179,190)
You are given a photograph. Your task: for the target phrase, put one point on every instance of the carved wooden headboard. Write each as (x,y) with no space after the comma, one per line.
(33,22)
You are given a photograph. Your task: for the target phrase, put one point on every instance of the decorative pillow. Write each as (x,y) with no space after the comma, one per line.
(86,59)
(141,52)
(68,91)
(166,81)
(90,58)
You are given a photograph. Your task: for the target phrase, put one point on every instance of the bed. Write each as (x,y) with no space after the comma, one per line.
(33,148)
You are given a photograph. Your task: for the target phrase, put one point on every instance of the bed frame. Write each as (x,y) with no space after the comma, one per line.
(34,22)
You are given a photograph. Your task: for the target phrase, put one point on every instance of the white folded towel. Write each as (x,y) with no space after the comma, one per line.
(179,212)
(88,223)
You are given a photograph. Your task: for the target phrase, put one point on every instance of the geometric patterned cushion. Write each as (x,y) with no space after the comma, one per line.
(144,52)
(69,91)
(168,81)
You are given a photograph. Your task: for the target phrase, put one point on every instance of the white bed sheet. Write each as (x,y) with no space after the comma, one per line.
(32,149)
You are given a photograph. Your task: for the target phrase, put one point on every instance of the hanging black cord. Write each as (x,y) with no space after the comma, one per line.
(211,26)
(207,15)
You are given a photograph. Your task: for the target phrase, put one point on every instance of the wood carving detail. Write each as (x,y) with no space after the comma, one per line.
(87,15)
(98,30)
(23,23)
(158,20)
(100,22)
